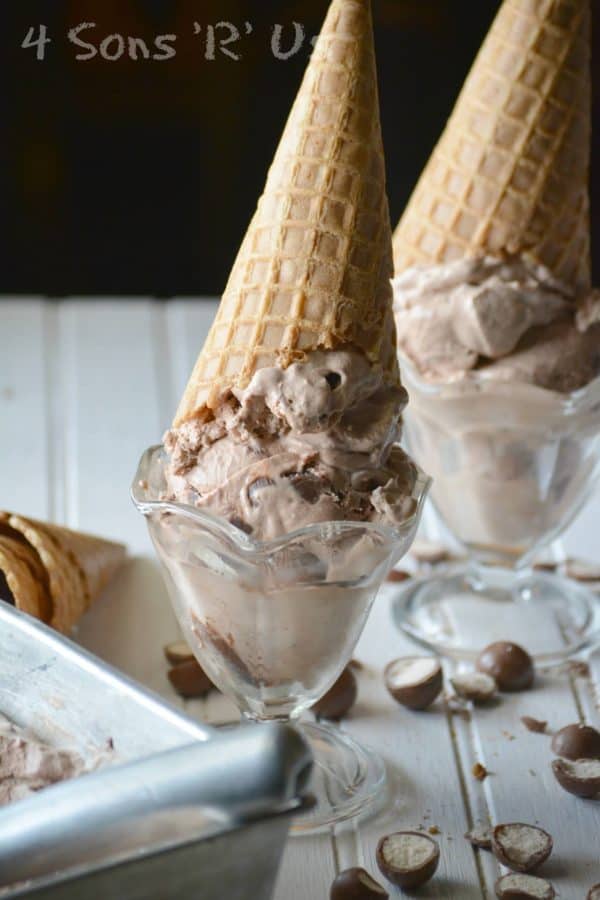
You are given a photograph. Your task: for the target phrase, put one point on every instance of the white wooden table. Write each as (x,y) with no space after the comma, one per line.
(84,388)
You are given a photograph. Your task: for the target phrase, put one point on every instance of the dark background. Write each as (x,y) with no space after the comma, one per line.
(139,177)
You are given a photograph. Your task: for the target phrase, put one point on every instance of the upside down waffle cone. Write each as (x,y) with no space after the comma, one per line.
(509,174)
(313,270)
(52,572)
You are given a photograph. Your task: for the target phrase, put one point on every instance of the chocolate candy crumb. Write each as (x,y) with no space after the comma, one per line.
(578,668)
(397,575)
(537,726)
(480,772)
(480,836)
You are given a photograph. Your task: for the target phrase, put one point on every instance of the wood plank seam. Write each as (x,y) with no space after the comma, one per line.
(70,454)
(462,780)
(586,696)
(54,402)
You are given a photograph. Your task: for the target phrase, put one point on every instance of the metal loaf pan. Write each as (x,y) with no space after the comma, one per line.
(231,847)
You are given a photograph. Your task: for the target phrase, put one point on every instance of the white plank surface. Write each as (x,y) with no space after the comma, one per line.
(85,386)
(24,416)
(111,390)
(419,752)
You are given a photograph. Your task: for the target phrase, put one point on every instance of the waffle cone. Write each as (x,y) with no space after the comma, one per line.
(25,578)
(509,175)
(315,265)
(72,568)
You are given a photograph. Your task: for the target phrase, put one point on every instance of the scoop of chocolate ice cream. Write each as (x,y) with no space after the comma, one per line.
(508,319)
(27,765)
(315,442)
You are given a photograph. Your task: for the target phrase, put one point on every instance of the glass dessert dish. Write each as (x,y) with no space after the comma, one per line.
(512,464)
(275,623)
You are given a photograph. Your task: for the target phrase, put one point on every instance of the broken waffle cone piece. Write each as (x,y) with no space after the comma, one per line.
(69,569)
(509,175)
(23,578)
(314,269)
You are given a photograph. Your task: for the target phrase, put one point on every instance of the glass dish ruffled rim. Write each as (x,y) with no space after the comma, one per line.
(249,546)
(569,404)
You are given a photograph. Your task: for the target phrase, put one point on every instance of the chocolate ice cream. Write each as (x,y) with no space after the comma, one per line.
(27,765)
(507,321)
(311,443)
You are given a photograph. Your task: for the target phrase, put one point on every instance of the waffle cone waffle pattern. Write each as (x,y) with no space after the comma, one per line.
(54,573)
(509,176)
(313,270)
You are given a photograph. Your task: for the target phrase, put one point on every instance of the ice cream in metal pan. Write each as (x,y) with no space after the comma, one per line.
(128,829)
(28,765)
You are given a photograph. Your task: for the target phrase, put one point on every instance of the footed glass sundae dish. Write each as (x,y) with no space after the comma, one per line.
(512,465)
(274,623)
(499,335)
